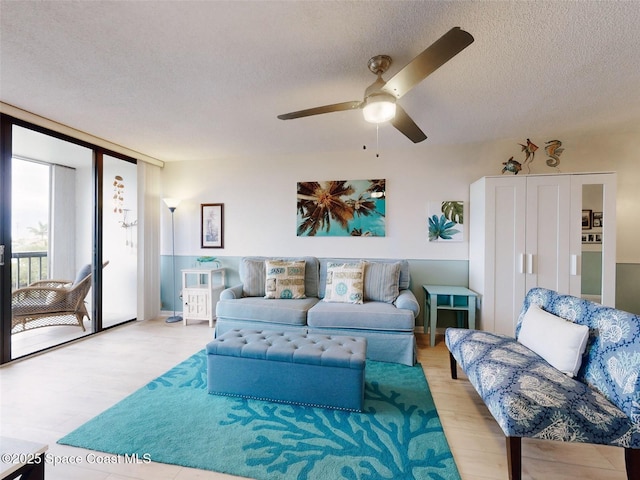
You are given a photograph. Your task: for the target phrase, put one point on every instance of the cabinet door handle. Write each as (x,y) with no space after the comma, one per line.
(522,263)
(574,265)
(530,263)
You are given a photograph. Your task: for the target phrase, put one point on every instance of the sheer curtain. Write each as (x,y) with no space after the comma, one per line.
(62,250)
(148,241)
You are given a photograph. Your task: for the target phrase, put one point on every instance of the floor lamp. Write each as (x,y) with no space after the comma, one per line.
(172,203)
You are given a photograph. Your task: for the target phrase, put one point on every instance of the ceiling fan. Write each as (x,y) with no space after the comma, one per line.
(379,104)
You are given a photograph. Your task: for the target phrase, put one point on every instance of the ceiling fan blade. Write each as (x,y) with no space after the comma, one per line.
(440,52)
(407,126)
(336,107)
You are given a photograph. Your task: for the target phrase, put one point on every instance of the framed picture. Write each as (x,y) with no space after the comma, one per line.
(354,208)
(586,219)
(584,238)
(212,225)
(596,220)
(598,238)
(445,221)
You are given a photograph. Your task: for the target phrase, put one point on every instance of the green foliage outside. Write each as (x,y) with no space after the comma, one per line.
(36,266)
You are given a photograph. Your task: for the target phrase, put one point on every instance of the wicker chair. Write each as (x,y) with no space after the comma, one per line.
(51,302)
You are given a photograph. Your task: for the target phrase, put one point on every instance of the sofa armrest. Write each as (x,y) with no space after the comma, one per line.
(231,293)
(407,300)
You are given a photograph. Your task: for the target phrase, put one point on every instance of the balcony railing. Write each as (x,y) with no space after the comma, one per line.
(27,267)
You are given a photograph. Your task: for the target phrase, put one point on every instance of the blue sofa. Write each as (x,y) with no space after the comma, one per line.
(387,325)
(528,397)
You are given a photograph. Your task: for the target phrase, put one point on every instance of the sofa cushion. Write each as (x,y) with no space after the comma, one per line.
(559,341)
(403,281)
(253,275)
(258,309)
(310,272)
(285,279)
(381,281)
(367,316)
(82,274)
(345,282)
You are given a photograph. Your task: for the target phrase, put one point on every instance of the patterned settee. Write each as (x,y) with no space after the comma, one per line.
(530,398)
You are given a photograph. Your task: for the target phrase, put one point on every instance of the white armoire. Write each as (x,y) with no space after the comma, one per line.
(538,231)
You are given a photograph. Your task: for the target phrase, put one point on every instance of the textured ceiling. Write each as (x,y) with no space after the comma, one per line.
(206,79)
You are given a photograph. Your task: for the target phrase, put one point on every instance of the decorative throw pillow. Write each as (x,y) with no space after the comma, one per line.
(82,273)
(559,341)
(253,278)
(345,282)
(284,279)
(381,281)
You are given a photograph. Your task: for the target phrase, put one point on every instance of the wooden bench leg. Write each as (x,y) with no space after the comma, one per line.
(514,457)
(454,366)
(632,462)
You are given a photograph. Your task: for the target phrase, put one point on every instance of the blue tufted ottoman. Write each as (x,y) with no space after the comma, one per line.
(291,367)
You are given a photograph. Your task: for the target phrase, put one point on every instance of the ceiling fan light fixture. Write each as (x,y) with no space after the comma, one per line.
(379,99)
(379,108)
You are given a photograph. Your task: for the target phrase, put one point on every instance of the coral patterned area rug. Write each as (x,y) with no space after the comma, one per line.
(174,420)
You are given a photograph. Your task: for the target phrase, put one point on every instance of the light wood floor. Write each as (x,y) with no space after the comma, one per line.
(47,396)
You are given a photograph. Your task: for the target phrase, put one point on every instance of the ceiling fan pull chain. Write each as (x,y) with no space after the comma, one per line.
(377,143)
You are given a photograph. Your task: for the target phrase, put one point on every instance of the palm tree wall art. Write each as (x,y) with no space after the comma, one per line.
(341,208)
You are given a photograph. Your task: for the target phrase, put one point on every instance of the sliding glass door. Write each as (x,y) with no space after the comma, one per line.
(68,226)
(120,241)
(51,241)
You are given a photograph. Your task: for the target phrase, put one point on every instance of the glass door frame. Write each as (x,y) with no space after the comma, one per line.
(6,125)
(5,239)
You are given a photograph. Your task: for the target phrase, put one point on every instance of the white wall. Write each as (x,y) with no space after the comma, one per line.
(259,194)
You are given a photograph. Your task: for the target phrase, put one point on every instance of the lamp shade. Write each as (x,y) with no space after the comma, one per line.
(379,108)
(171,202)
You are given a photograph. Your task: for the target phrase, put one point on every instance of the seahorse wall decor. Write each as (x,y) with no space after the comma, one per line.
(553,149)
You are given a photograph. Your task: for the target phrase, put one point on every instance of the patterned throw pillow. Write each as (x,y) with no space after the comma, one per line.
(345,282)
(284,279)
(381,280)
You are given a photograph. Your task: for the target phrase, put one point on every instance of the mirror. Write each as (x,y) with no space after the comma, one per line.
(592,237)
